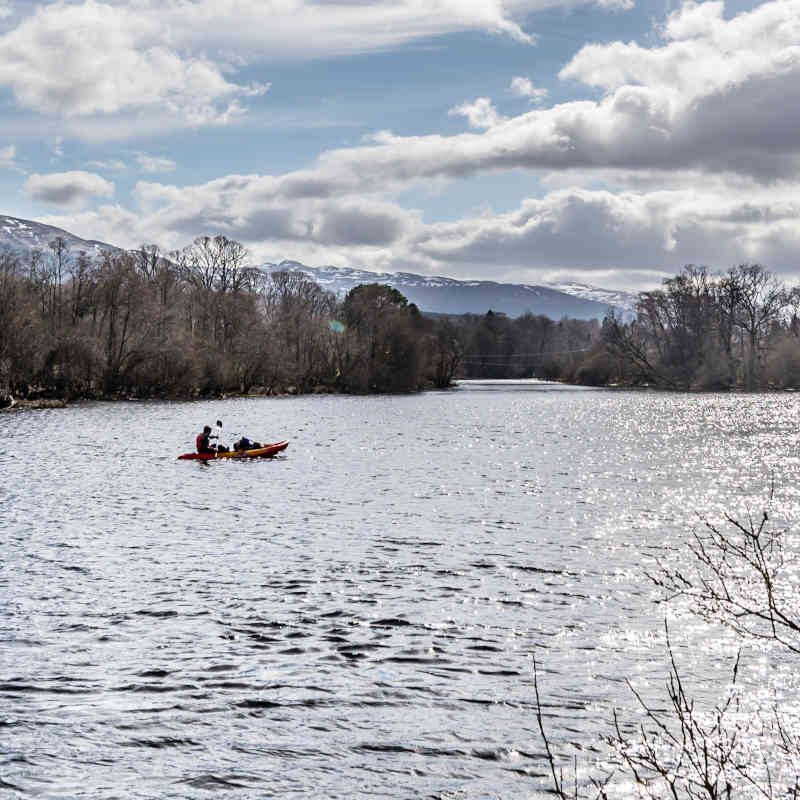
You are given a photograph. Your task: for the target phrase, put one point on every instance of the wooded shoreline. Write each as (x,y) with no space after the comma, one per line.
(201,323)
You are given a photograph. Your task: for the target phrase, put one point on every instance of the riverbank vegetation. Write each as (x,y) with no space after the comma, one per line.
(739,329)
(201,322)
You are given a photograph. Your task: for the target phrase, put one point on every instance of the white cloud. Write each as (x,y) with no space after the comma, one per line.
(302,29)
(271,30)
(154,164)
(616,5)
(712,102)
(95,58)
(568,231)
(704,52)
(524,87)
(719,94)
(585,230)
(6,9)
(694,139)
(74,188)
(480,113)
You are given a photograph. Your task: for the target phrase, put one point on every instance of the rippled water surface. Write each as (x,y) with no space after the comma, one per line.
(355,618)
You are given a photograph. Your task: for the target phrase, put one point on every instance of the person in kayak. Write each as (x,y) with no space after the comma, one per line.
(203,441)
(246,444)
(217,434)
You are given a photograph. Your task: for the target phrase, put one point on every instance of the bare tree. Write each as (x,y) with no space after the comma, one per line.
(445,354)
(299,313)
(60,255)
(629,343)
(760,301)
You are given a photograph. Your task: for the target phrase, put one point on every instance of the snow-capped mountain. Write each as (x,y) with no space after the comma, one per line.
(24,235)
(442,295)
(611,297)
(433,294)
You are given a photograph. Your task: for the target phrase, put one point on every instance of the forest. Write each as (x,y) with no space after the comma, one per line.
(699,331)
(201,322)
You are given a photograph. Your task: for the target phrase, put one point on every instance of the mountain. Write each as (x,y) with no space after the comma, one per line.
(23,235)
(450,296)
(433,294)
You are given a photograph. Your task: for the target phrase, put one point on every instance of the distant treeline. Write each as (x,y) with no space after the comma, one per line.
(200,322)
(739,329)
(496,346)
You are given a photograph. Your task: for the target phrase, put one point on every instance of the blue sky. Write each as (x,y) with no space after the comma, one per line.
(537,140)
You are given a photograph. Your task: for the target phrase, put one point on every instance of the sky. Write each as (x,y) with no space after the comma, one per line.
(609,142)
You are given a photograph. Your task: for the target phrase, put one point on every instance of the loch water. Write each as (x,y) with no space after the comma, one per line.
(357,617)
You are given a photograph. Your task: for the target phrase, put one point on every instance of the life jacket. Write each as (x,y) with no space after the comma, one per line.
(202,443)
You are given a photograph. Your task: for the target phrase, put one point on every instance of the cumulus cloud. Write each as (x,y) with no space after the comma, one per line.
(479,114)
(597,230)
(726,99)
(259,208)
(95,58)
(148,163)
(524,87)
(74,188)
(704,53)
(567,231)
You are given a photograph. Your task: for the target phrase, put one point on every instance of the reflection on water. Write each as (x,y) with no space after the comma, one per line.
(356,617)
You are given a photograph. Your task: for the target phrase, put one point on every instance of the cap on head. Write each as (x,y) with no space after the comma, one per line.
(206,429)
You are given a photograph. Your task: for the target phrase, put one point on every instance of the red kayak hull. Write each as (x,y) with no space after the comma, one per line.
(267,451)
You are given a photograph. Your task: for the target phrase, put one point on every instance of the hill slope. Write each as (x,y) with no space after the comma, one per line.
(450,296)
(23,235)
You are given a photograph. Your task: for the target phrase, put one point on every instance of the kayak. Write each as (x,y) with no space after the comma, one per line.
(266,451)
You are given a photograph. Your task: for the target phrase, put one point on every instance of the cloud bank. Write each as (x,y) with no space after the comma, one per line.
(689,154)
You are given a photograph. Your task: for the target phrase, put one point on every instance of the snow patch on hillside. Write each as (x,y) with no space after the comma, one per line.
(440,294)
(24,235)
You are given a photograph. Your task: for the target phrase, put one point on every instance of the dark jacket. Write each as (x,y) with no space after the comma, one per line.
(202,443)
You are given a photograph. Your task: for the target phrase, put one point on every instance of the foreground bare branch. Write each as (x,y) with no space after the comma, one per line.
(682,751)
(743,576)
(595,787)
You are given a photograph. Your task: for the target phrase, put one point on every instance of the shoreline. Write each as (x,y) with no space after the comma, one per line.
(51,403)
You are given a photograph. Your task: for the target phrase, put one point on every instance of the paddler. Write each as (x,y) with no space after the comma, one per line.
(203,441)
